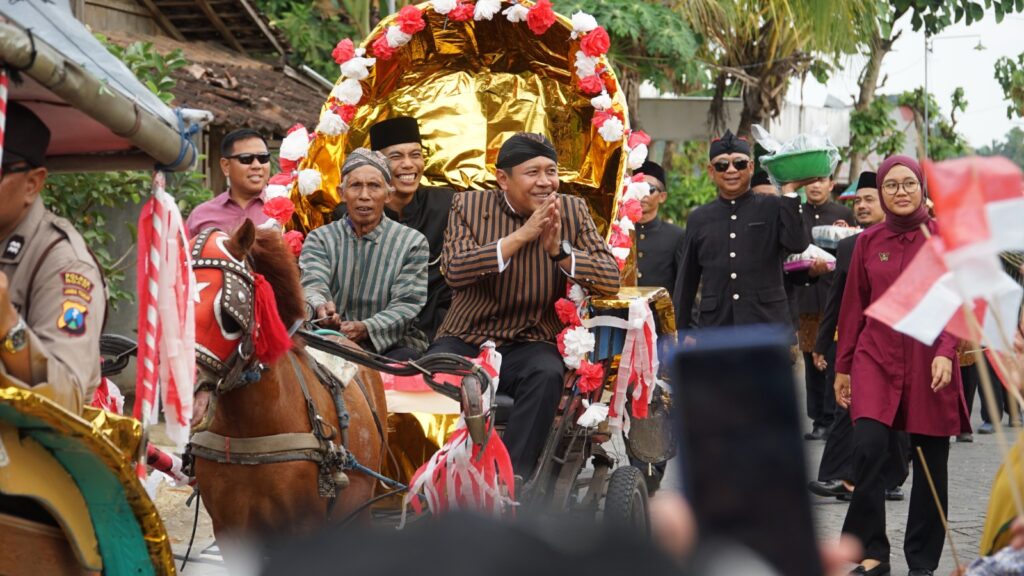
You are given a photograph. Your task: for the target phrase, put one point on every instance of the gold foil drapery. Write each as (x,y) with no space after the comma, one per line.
(471,85)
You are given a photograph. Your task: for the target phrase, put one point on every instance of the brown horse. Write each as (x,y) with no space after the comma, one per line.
(254,501)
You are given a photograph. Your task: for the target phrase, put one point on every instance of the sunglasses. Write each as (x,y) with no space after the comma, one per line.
(723,165)
(248,158)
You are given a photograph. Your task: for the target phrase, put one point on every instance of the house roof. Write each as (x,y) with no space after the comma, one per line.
(240,91)
(237,24)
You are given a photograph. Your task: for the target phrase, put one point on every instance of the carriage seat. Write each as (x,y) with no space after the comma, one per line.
(503,404)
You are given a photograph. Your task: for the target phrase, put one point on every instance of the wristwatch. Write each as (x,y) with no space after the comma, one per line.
(564,250)
(16,338)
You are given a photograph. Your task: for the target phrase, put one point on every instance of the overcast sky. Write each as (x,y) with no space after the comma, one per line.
(953,62)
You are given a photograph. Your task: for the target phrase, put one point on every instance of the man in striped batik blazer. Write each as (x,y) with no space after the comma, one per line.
(508,256)
(366,275)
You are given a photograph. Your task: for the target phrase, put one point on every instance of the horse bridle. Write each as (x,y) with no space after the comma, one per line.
(236,300)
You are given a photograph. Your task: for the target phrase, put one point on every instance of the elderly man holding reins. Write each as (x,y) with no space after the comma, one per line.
(365,275)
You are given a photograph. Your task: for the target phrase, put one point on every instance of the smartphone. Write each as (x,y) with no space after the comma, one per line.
(741,452)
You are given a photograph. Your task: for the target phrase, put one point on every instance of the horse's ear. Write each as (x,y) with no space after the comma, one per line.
(243,237)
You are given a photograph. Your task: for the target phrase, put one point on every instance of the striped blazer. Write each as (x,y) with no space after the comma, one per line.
(518,303)
(379,279)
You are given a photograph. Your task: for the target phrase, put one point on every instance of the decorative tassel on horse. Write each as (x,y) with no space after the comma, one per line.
(270,336)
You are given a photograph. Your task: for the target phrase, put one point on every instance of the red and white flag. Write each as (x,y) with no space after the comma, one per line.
(166,289)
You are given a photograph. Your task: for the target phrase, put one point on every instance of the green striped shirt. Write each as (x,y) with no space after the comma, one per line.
(379,279)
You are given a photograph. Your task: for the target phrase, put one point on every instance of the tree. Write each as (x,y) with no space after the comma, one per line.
(1010,75)
(934,15)
(762,45)
(312,29)
(944,141)
(1011,147)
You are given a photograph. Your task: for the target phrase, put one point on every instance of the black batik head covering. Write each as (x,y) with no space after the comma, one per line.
(363,157)
(729,143)
(524,146)
(651,169)
(867,180)
(399,130)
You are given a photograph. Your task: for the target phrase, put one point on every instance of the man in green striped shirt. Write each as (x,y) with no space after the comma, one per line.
(366,275)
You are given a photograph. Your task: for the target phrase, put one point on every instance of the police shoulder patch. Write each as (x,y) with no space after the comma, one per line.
(72,317)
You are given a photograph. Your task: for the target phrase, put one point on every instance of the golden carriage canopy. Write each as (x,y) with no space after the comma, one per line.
(472,85)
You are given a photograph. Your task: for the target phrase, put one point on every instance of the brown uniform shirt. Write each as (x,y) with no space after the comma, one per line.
(57,289)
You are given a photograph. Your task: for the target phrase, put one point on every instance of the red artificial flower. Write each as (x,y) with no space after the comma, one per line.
(560,341)
(346,111)
(287,166)
(540,17)
(344,51)
(619,239)
(638,177)
(620,263)
(462,12)
(282,178)
(638,137)
(280,209)
(631,209)
(294,238)
(596,42)
(566,312)
(410,20)
(591,84)
(591,376)
(381,49)
(296,126)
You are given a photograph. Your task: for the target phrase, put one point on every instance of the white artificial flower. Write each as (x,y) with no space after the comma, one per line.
(486,9)
(357,67)
(331,124)
(516,13)
(602,102)
(636,190)
(360,52)
(444,6)
(611,129)
(276,191)
(585,65)
(582,23)
(620,253)
(350,91)
(572,362)
(295,145)
(637,156)
(397,38)
(625,225)
(578,342)
(593,415)
(270,224)
(309,181)
(577,294)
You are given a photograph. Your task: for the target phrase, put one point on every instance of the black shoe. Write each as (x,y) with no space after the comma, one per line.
(830,489)
(921,572)
(880,570)
(895,495)
(818,433)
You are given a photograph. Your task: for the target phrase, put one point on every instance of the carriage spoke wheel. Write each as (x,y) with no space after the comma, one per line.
(625,502)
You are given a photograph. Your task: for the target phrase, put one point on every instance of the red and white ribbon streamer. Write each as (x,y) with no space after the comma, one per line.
(639,360)
(166,288)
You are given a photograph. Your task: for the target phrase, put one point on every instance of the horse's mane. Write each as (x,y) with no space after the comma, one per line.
(272,258)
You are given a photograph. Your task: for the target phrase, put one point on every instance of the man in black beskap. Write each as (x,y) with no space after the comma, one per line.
(735,245)
(422,208)
(659,244)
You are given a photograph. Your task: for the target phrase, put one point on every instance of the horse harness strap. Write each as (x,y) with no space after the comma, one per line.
(287,447)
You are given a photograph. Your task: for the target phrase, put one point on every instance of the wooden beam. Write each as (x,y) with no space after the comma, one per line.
(219,25)
(258,19)
(162,21)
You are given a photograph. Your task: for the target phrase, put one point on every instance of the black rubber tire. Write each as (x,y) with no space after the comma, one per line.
(625,503)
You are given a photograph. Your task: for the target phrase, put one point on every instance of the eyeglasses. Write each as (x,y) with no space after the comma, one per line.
(737,163)
(892,187)
(248,158)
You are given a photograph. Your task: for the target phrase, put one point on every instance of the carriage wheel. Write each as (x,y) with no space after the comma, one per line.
(625,504)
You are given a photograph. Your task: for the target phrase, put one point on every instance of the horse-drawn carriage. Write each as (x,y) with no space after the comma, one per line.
(472,78)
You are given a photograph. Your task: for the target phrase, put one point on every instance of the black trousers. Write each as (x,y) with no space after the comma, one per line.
(531,373)
(972,382)
(837,460)
(865,518)
(821,397)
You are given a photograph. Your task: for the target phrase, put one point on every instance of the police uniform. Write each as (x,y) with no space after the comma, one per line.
(54,285)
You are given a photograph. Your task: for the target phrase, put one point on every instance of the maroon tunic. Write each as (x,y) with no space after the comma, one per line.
(890,373)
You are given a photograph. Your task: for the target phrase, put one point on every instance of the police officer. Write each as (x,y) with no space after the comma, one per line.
(52,296)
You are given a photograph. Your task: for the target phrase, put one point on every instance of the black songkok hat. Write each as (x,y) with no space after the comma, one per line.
(651,169)
(400,130)
(760,179)
(867,180)
(27,137)
(524,146)
(729,143)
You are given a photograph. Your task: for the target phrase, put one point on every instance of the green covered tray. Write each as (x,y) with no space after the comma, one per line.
(793,166)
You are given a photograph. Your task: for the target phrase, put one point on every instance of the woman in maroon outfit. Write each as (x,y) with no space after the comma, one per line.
(890,381)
